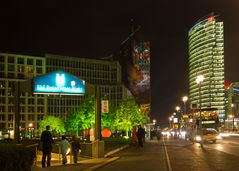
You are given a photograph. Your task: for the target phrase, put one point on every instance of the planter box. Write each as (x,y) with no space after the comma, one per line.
(86,149)
(94,149)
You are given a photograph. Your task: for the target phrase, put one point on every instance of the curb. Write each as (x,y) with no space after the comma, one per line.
(101,164)
(116,150)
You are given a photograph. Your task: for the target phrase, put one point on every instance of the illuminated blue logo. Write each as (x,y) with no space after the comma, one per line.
(58,82)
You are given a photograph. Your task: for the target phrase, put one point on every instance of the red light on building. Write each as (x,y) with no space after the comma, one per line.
(210,19)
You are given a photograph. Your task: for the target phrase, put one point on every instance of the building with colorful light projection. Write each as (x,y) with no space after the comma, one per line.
(135,62)
(206,58)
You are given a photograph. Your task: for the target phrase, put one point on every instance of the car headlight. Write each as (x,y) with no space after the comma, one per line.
(198,138)
(219,137)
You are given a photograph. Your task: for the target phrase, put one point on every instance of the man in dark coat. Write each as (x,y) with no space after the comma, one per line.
(140,135)
(47,142)
(75,147)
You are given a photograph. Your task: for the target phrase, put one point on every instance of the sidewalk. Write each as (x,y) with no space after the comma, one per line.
(151,157)
(84,164)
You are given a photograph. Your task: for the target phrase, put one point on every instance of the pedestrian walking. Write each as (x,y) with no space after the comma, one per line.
(46,143)
(134,136)
(140,135)
(75,147)
(64,148)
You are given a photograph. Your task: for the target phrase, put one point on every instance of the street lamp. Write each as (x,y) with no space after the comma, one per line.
(177,109)
(185,99)
(232,116)
(30,125)
(154,121)
(199,81)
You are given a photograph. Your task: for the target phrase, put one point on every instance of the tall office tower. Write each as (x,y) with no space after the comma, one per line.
(206,58)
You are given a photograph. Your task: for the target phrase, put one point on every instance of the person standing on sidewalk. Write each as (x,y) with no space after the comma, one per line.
(64,148)
(47,142)
(75,147)
(140,135)
(134,136)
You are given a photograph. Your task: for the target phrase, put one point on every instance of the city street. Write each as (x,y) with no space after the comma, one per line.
(188,156)
(179,155)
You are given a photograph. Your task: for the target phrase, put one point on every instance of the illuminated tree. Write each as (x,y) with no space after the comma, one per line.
(83,118)
(129,115)
(56,123)
(107,119)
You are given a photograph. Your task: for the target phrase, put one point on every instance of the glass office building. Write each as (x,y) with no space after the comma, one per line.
(206,57)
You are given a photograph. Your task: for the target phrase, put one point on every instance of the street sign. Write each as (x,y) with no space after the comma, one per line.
(104,106)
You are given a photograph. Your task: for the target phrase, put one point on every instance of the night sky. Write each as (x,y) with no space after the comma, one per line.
(95,29)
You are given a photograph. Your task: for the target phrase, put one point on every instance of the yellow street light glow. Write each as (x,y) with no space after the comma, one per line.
(199,79)
(185,98)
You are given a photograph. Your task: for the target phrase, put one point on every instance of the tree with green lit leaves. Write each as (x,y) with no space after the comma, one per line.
(107,119)
(56,124)
(129,115)
(83,118)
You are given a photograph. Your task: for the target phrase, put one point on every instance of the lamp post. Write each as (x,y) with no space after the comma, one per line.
(199,81)
(179,118)
(30,125)
(177,109)
(170,121)
(232,116)
(185,99)
(154,121)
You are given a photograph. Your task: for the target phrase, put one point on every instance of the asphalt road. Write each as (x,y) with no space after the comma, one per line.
(179,155)
(222,155)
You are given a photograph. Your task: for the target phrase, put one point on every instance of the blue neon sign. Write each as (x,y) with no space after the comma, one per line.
(58,82)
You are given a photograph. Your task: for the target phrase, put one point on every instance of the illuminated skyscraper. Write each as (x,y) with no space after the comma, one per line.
(206,57)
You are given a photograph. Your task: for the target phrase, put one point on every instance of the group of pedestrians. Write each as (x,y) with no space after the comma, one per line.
(65,147)
(138,136)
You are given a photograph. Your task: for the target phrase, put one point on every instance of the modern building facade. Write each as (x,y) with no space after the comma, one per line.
(206,58)
(13,67)
(232,106)
(105,73)
(32,107)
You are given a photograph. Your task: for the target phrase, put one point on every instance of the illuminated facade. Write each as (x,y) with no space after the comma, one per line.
(32,107)
(13,67)
(105,73)
(232,106)
(206,57)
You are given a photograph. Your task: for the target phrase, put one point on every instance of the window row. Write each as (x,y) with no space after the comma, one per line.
(29,117)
